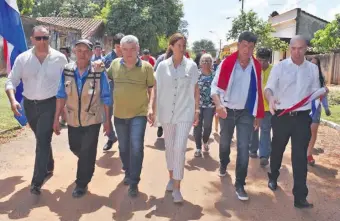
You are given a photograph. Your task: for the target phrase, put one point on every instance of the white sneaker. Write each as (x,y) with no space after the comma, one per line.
(170,186)
(177,196)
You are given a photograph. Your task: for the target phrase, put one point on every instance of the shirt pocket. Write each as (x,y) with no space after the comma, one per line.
(185,81)
(68,87)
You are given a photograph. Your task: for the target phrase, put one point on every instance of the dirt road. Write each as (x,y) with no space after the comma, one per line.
(207,196)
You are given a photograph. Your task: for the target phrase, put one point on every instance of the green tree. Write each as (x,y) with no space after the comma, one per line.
(327,39)
(67,8)
(25,6)
(147,19)
(249,21)
(204,44)
(79,9)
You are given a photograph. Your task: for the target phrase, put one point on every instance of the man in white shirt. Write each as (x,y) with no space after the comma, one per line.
(40,70)
(289,82)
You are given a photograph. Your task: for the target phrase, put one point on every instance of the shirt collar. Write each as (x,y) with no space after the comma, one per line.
(290,61)
(183,63)
(138,63)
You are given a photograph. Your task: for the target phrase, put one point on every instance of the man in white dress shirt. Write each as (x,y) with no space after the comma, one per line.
(289,82)
(40,70)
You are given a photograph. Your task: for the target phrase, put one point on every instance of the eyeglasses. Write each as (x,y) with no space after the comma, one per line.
(206,62)
(39,38)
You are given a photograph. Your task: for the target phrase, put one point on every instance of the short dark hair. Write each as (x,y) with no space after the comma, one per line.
(263,53)
(67,49)
(247,36)
(117,38)
(146,52)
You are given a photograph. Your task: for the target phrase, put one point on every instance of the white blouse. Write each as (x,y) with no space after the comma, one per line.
(176,91)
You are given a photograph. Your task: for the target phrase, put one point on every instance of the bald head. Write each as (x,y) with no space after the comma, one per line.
(298,38)
(298,49)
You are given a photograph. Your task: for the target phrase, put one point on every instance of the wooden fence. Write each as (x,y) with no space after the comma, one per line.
(330,66)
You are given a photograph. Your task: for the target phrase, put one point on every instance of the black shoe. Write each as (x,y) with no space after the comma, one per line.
(79,192)
(160,132)
(264,161)
(241,193)
(108,145)
(301,204)
(133,190)
(222,171)
(35,190)
(126,180)
(272,184)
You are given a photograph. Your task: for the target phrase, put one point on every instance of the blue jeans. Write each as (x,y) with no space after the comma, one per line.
(243,121)
(130,134)
(205,124)
(264,145)
(112,135)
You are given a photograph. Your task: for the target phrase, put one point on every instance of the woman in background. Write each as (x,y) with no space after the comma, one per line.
(317,115)
(207,107)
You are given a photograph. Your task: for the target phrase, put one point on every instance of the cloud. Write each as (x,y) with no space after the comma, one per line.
(311,8)
(332,12)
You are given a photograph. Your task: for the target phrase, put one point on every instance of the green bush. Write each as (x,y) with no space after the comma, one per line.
(334,97)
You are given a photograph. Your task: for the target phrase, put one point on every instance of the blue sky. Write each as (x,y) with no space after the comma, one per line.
(210,15)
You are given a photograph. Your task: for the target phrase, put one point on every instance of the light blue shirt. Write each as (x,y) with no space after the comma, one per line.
(105,94)
(239,90)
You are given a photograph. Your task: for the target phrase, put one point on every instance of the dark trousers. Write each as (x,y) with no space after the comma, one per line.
(243,121)
(297,128)
(83,143)
(40,116)
(205,125)
(131,134)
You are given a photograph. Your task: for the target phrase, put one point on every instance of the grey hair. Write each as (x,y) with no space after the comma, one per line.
(297,38)
(40,28)
(206,55)
(128,39)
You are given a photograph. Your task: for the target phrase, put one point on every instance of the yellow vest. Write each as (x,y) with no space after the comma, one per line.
(265,76)
(85,109)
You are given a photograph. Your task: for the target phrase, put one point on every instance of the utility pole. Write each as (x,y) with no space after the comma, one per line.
(242,5)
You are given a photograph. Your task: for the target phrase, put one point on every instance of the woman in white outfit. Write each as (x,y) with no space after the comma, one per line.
(175,100)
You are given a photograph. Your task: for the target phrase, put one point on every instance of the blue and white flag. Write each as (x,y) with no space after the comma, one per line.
(14,42)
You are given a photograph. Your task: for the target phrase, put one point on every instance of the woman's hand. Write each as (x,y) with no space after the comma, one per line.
(196,119)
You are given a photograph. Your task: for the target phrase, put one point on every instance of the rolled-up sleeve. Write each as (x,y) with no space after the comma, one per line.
(105,94)
(15,75)
(214,88)
(273,79)
(61,94)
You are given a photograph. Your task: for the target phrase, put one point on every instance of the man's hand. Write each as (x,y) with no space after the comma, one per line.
(196,119)
(151,117)
(272,105)
(16,107)
(98,66)
(56,126)
(257,122)
(107,128)
(221,112)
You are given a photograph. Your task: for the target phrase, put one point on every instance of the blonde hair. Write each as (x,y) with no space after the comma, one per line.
(205,56)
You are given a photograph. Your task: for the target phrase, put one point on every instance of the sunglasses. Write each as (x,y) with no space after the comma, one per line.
(39,38)
(206,62)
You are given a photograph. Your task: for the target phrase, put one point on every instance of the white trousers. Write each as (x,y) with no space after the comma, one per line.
(176,138)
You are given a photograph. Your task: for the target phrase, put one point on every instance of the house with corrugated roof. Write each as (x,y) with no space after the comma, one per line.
(91,29)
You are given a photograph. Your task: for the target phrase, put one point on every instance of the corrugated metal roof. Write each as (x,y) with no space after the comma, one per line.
(87,25)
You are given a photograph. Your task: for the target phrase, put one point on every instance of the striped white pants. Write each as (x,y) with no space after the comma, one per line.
(176,138)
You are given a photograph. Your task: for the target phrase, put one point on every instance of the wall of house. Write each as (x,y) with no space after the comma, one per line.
(307,25)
